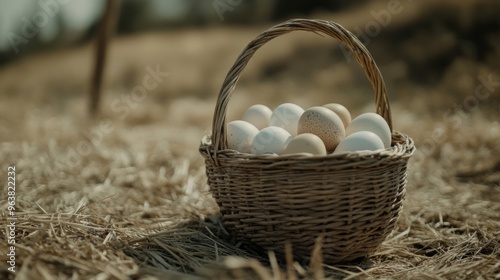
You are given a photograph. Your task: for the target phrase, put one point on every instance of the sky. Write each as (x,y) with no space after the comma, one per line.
(18,16)
(76,15)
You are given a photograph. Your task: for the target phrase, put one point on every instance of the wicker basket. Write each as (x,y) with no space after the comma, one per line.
(352,200)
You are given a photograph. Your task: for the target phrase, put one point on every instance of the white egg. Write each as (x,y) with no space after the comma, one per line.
(271,139)
(258,115)
(286,116)
(240,135)
(306,143)
(374,123)
(324,123)
(359,141)
(341,111)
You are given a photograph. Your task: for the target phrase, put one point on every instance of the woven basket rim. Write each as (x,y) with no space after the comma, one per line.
(402,148)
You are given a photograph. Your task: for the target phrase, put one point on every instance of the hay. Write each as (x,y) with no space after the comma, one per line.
(190,247)
(143,185)
(206,249)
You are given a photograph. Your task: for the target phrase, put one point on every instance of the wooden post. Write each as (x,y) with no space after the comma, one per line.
(104,32)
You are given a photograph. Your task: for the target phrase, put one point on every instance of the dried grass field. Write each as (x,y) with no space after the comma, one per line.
(124,195)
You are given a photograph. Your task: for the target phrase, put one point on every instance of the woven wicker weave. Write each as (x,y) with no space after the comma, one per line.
(352,200)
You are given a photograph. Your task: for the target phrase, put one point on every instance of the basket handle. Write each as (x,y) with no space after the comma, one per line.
(219,137)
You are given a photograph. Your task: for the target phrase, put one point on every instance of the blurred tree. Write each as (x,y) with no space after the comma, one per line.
(106,29)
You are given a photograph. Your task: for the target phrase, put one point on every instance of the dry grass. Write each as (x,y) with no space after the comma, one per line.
(137,206)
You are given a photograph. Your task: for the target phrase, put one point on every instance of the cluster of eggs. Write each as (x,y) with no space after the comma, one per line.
(319,130)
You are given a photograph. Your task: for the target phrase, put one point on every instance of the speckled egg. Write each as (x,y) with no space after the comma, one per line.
(240,135)
(324,123)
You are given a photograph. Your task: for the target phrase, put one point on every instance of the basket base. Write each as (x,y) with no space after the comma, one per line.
(334,249)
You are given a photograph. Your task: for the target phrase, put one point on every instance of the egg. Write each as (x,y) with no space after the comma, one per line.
(324,123)
(341,111)
(359,141)
(258,115)
(305,143)
(271,139)
(286,116)
(240,135)
(371,122)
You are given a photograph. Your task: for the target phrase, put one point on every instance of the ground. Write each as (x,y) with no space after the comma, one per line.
(89,190)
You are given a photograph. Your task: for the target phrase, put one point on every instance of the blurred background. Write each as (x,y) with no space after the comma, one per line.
(74,22)
(433,55)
